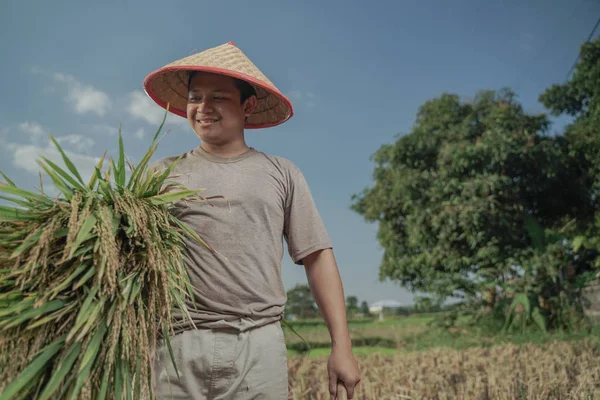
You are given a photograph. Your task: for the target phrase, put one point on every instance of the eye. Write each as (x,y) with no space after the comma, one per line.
(194,98)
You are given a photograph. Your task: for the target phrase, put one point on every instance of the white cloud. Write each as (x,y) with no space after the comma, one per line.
(142,107)
(295,94)
(106,130)
(26,156)
(139,133)
(3,135)
(83,98)
(303,97)
(78,143)
(32,128)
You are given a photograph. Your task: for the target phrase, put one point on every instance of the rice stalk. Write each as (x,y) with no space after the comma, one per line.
(88,280)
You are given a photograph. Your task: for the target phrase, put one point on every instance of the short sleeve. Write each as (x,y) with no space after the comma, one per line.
(304,229)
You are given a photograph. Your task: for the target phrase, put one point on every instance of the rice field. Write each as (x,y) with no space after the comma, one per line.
(407,359)
(555,370)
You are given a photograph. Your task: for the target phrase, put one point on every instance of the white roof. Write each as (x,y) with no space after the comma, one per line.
(387,303)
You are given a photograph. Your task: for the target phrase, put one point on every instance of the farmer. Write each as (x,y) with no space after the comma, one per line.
(238,349)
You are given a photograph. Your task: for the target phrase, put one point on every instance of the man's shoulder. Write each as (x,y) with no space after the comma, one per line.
(282,163)
(164,162)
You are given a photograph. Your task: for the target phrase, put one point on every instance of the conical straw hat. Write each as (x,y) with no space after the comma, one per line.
(169,84)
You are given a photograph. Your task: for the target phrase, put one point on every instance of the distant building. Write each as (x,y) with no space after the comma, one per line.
(379,306)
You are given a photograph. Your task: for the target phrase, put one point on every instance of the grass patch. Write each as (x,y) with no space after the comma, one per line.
(410,334)
(360,351)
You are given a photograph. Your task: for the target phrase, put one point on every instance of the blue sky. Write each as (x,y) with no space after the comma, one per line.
(356,73)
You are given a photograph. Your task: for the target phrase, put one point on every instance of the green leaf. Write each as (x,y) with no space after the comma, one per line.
(138,374)
(149,379)
(140,169)
(106,190)
(171,197)
(162,123)
(61,371)
(118,378)
(97,174)
(137,285)
(87,250)
(170,349)
(539,319)
(536,232)
(104,385)
(290,327)
(83,234)
(84,312)
(17,308)
(64,174)
(88,358)
(32,370)
(34,313)
(11,296)
(91,272)
(112,167)
(65,284)
(28,243)
(165,174)
(22,203)
(10,213)
(188,231)
(58,182)
(92,318)
(127,381)
(120,171)
(519,299)
(67,161)
(26,194)
(53,316)
(11,183)
(578,243)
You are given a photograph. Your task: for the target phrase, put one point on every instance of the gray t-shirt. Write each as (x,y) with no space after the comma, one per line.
(267,200)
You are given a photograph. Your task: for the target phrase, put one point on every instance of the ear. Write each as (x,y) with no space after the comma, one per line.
(249,106)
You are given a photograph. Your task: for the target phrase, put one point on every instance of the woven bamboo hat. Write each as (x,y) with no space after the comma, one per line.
(169,84)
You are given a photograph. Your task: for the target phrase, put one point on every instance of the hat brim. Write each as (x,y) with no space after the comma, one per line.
(169,85)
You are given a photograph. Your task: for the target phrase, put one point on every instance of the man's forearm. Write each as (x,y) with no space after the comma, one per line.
(326,286)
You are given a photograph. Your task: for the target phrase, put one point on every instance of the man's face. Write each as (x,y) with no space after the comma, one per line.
(214,110)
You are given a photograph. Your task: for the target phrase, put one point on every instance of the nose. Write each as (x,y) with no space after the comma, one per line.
(204,106)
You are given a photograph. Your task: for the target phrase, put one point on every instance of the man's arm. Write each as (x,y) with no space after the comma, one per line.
(326,286)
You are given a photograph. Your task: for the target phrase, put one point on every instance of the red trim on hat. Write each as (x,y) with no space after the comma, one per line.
(231,43)
(222,71)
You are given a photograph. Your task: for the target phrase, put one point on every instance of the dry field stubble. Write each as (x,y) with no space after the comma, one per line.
(557,370)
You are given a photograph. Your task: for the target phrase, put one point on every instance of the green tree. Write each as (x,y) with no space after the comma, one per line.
(351,305)
(364,308)
(300,302)
(579,98)
(424,304)
(453,197)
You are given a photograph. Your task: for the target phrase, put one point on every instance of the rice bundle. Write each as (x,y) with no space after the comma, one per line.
(88,280)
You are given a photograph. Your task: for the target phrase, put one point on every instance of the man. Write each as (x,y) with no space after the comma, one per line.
(238,350)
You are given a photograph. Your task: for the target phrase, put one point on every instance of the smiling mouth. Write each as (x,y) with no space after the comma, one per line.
(206,121)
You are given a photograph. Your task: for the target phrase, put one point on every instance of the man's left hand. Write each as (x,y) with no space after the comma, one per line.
(342,368)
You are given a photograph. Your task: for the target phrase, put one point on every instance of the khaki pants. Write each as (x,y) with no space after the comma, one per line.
(223,364)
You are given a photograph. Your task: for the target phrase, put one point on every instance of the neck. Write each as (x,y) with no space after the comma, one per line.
(225,150)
